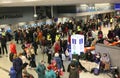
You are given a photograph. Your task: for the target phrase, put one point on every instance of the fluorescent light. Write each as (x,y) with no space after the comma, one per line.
(21,23)
(35,15)
(6,2)
(30,0)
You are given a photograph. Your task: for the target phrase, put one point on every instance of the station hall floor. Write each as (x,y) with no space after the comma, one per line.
(5,65)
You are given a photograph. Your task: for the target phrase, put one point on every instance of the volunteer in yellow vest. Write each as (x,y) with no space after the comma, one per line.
(57,37)
(73,33)
(78,28)
(111,21)
(3,33)
(48,37)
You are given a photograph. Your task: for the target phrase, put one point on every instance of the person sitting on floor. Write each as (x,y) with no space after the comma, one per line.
(105,62)
(89,56)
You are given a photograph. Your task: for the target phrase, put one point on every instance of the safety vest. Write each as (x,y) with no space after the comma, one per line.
(57,37)
(48,37)
(73,33)
(78,28)
(111,20)
(3,34)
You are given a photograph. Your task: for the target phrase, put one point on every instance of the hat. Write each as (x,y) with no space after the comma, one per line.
(49,67)
(56,55)
(72,64)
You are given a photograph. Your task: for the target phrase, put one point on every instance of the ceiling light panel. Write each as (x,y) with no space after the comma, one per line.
(6,1)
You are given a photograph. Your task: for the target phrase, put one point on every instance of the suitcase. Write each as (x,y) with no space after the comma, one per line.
(96,71)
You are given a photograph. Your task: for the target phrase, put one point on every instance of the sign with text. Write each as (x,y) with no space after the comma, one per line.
(77,44)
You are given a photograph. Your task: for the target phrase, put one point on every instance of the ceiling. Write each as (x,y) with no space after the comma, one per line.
(12,3)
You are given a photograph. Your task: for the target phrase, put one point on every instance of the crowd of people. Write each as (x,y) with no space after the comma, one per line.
(54,41)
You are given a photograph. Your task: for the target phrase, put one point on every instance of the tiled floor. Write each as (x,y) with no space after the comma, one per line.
(6,64)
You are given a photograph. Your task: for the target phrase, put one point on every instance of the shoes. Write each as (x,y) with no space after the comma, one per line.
(0,56)
(85,70)
(63,70)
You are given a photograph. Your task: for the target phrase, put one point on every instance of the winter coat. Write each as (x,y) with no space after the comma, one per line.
(74,73)
(59,62)
(34,44)
(3,41)
(50,74)
(56,47)
(40,70)
(17,64)
(12,47)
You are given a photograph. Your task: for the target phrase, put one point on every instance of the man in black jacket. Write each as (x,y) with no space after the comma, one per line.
(3,44)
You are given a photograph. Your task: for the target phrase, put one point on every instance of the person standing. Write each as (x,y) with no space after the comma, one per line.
(74,72)
(0,51)
(35,45)
(17,65)
(32,57)
(50,73)
(12,48)
(49,54)
(40,69)
(58,61)
(3,44)
(58,64)
(16,36)
(56,46)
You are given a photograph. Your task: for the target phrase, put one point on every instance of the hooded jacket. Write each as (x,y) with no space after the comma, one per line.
(50,74)
(40,70)
(74,73)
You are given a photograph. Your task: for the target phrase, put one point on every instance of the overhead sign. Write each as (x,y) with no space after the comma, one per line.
(77,44)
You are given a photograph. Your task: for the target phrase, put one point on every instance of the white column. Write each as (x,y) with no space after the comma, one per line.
(52,11)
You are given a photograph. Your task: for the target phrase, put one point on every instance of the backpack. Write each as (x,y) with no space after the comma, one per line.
(12,72)
(11,57)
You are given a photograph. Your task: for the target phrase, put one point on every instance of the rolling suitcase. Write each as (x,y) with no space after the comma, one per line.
(96,71)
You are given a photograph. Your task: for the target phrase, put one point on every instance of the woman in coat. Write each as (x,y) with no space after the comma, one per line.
(58,61)
(74,72)
(50,73)
(41,70)
(12,48)
(31,56)
(17,65)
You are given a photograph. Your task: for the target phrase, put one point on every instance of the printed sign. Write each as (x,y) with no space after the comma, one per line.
(77,44)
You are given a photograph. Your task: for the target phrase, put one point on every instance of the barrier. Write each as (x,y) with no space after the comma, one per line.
(89,48)
(114,43)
